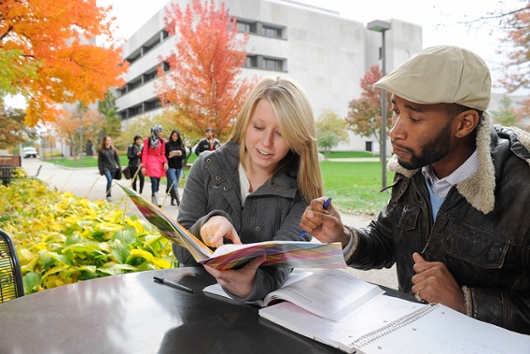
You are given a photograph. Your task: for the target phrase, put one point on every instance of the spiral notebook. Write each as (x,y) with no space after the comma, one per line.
(389,325)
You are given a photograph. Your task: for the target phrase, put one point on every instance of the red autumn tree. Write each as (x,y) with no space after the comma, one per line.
(44,44)
(364,115)
(202,87)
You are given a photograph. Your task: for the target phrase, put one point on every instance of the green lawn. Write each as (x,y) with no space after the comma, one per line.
(354,186)
(348,154)
(92,161)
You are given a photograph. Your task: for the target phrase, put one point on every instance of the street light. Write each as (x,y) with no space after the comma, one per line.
(382,26)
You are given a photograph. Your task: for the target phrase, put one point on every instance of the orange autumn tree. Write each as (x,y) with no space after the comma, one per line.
(44,44)
(202,88)
(70,125)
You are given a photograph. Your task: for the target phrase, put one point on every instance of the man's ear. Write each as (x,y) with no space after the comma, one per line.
(466,123)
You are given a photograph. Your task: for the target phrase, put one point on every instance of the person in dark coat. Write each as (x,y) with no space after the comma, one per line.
(455,224)
(108,163)
(175,152)
(134,154)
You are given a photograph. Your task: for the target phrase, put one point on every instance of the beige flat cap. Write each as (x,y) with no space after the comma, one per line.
(441,74)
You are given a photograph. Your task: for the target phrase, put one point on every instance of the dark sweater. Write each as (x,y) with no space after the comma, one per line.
(107,160)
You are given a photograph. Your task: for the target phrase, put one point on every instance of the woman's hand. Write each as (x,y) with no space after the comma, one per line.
(217,228)
(239,282)
(143,171)
(165,166)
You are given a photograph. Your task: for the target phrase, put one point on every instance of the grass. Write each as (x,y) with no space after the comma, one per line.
(349,154)
(92,161)
(354,186)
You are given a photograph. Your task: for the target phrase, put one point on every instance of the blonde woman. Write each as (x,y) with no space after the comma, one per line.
(256,187)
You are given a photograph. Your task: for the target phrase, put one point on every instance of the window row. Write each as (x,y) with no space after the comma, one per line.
(253,61)
(265,63)
(259,28)
(150,44)
(143,107)
(149,75)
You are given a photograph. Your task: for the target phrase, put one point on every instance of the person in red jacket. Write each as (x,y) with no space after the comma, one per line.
(154,161)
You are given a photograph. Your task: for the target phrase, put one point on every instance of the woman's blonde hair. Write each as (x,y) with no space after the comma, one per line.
(297,125)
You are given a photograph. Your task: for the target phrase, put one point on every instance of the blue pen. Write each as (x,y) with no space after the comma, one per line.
(325,205)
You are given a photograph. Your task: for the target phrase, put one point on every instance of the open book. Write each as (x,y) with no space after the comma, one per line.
(390,325)
(287,254)
(329,293)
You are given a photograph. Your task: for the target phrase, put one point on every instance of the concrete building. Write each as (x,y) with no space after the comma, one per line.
(325,53)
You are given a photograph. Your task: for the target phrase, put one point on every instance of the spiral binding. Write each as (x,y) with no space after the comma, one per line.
(394,326)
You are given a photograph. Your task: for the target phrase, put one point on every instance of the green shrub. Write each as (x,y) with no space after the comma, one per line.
(62,239)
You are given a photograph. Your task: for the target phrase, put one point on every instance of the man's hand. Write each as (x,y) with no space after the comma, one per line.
(239,282)
(435,283)
(324,224)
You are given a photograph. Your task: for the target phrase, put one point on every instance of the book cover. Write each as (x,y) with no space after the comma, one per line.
(286,254)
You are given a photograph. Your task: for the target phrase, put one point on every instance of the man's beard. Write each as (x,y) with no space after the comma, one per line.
(433,151)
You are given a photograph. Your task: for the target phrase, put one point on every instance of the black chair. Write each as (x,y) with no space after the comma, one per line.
(11,284)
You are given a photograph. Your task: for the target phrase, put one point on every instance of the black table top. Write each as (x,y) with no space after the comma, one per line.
(134,314)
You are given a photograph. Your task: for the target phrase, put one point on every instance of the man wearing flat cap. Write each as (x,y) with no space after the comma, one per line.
(457,224)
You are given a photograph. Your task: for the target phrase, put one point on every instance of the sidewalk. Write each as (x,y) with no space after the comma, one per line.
(87,182)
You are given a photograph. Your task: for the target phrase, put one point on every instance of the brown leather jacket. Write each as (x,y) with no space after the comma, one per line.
(482,230)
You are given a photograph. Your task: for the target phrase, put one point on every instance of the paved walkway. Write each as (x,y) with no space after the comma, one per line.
(87,182)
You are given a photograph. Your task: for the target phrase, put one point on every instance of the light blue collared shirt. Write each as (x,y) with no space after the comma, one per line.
(438,188)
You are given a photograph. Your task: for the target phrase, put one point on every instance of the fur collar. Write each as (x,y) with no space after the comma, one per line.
(479,189)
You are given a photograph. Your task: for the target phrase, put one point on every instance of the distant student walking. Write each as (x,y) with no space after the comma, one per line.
(134,154)
(209,143)
(154,161)
(175,152)
(108,163)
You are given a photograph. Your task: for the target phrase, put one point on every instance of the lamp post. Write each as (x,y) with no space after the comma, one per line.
(382,26)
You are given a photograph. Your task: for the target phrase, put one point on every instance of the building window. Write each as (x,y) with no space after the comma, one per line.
(272,32)
(243,26)
(135,111)
(166,66)
(272,64)
(149,76)
(146,48)
(368,146)
(251,62)
(132,85)
(133,58)
(150,105)
(165,34)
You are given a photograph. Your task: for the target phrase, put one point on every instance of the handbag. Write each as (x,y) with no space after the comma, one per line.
(117,174)
(126,172)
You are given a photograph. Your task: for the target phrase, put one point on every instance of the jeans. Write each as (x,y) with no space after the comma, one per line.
(155,183)
(173,175)
(109,175)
